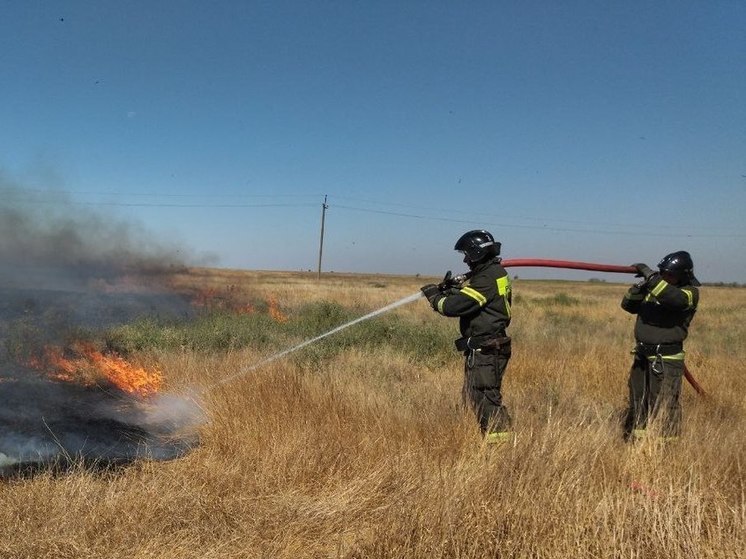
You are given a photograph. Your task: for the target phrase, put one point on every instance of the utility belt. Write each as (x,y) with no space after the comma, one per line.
(484,344)
(652,350)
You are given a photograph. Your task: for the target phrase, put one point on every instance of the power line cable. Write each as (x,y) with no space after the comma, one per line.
(502,224)
(538,227)
(154,194)
(158,205)
(725,232)
(531,218)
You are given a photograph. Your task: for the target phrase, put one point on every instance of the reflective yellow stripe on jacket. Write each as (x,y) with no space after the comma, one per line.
(689,297)
(474,294)
(503,289)
(659,287)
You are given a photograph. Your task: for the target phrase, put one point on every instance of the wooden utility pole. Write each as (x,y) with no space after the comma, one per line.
(324,206)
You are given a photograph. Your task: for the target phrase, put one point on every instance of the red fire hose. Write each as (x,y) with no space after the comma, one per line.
(573,265)
(568,264)
(689,377)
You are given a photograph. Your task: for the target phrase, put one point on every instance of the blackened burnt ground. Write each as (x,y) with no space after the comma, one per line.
(50,423)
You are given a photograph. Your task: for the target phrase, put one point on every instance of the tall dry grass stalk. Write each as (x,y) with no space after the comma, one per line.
(367,452)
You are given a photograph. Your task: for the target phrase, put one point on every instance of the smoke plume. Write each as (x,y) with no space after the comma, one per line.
(46,241)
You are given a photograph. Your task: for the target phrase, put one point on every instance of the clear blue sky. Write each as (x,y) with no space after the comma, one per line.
(600,131)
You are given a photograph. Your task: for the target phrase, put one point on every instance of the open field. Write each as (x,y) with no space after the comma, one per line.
(358,446)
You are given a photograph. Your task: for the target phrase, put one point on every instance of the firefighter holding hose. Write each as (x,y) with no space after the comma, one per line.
(483,308)
(665,303)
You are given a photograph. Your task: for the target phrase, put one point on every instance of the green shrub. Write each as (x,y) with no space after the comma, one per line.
(318,318)
(215,331)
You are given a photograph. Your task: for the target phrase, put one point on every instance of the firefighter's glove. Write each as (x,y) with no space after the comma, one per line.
(643,271)
(432,293)
(447,281)
(652,280)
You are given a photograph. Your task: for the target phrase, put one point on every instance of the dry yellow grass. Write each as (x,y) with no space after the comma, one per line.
(370,454)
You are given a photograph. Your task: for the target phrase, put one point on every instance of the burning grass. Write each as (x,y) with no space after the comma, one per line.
(71,400)
(357,446)
(87,365)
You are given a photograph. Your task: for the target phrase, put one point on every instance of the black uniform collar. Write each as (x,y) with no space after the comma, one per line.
(481,266)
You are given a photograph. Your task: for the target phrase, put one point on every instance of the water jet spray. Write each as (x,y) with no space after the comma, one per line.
(301,345)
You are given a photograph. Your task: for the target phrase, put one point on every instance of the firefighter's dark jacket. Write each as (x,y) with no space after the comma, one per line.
(663,310)
(483,305)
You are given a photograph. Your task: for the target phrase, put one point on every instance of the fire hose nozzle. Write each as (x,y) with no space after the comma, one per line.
(449,280)
(461,278)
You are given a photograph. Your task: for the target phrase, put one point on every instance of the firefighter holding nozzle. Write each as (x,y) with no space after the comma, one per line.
(664,302)
(483,308)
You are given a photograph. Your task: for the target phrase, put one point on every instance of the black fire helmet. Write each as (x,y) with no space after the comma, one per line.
(680,265)
(477,245)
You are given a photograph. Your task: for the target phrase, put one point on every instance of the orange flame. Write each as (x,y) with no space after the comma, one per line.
(274,310)
(126,376)
(89,363)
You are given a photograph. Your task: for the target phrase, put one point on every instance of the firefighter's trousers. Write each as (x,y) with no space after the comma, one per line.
(654,392)
(483,376)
